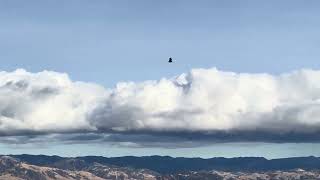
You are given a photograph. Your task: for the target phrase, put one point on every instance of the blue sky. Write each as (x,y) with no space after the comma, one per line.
(111,41)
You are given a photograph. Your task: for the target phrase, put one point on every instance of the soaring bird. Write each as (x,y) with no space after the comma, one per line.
(170,60)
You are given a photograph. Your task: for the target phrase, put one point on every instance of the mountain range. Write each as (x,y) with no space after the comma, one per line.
(156,167)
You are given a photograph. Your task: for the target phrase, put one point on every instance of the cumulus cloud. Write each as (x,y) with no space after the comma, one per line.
(201,104)
(45,102)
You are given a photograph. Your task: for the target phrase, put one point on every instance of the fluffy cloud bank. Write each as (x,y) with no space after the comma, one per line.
(204,101)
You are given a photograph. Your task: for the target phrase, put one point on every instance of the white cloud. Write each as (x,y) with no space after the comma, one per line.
(45,102)
(201,100)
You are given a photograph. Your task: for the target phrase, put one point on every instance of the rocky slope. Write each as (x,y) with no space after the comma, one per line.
(11,168)
(298,174)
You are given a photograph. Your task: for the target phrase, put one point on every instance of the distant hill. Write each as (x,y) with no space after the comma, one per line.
(40,167)
(168,165)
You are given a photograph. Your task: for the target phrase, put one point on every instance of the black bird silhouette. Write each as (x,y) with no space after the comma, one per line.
(170,60)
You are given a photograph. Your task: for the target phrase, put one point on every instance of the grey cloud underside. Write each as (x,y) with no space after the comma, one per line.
(200,107)
(164,140)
